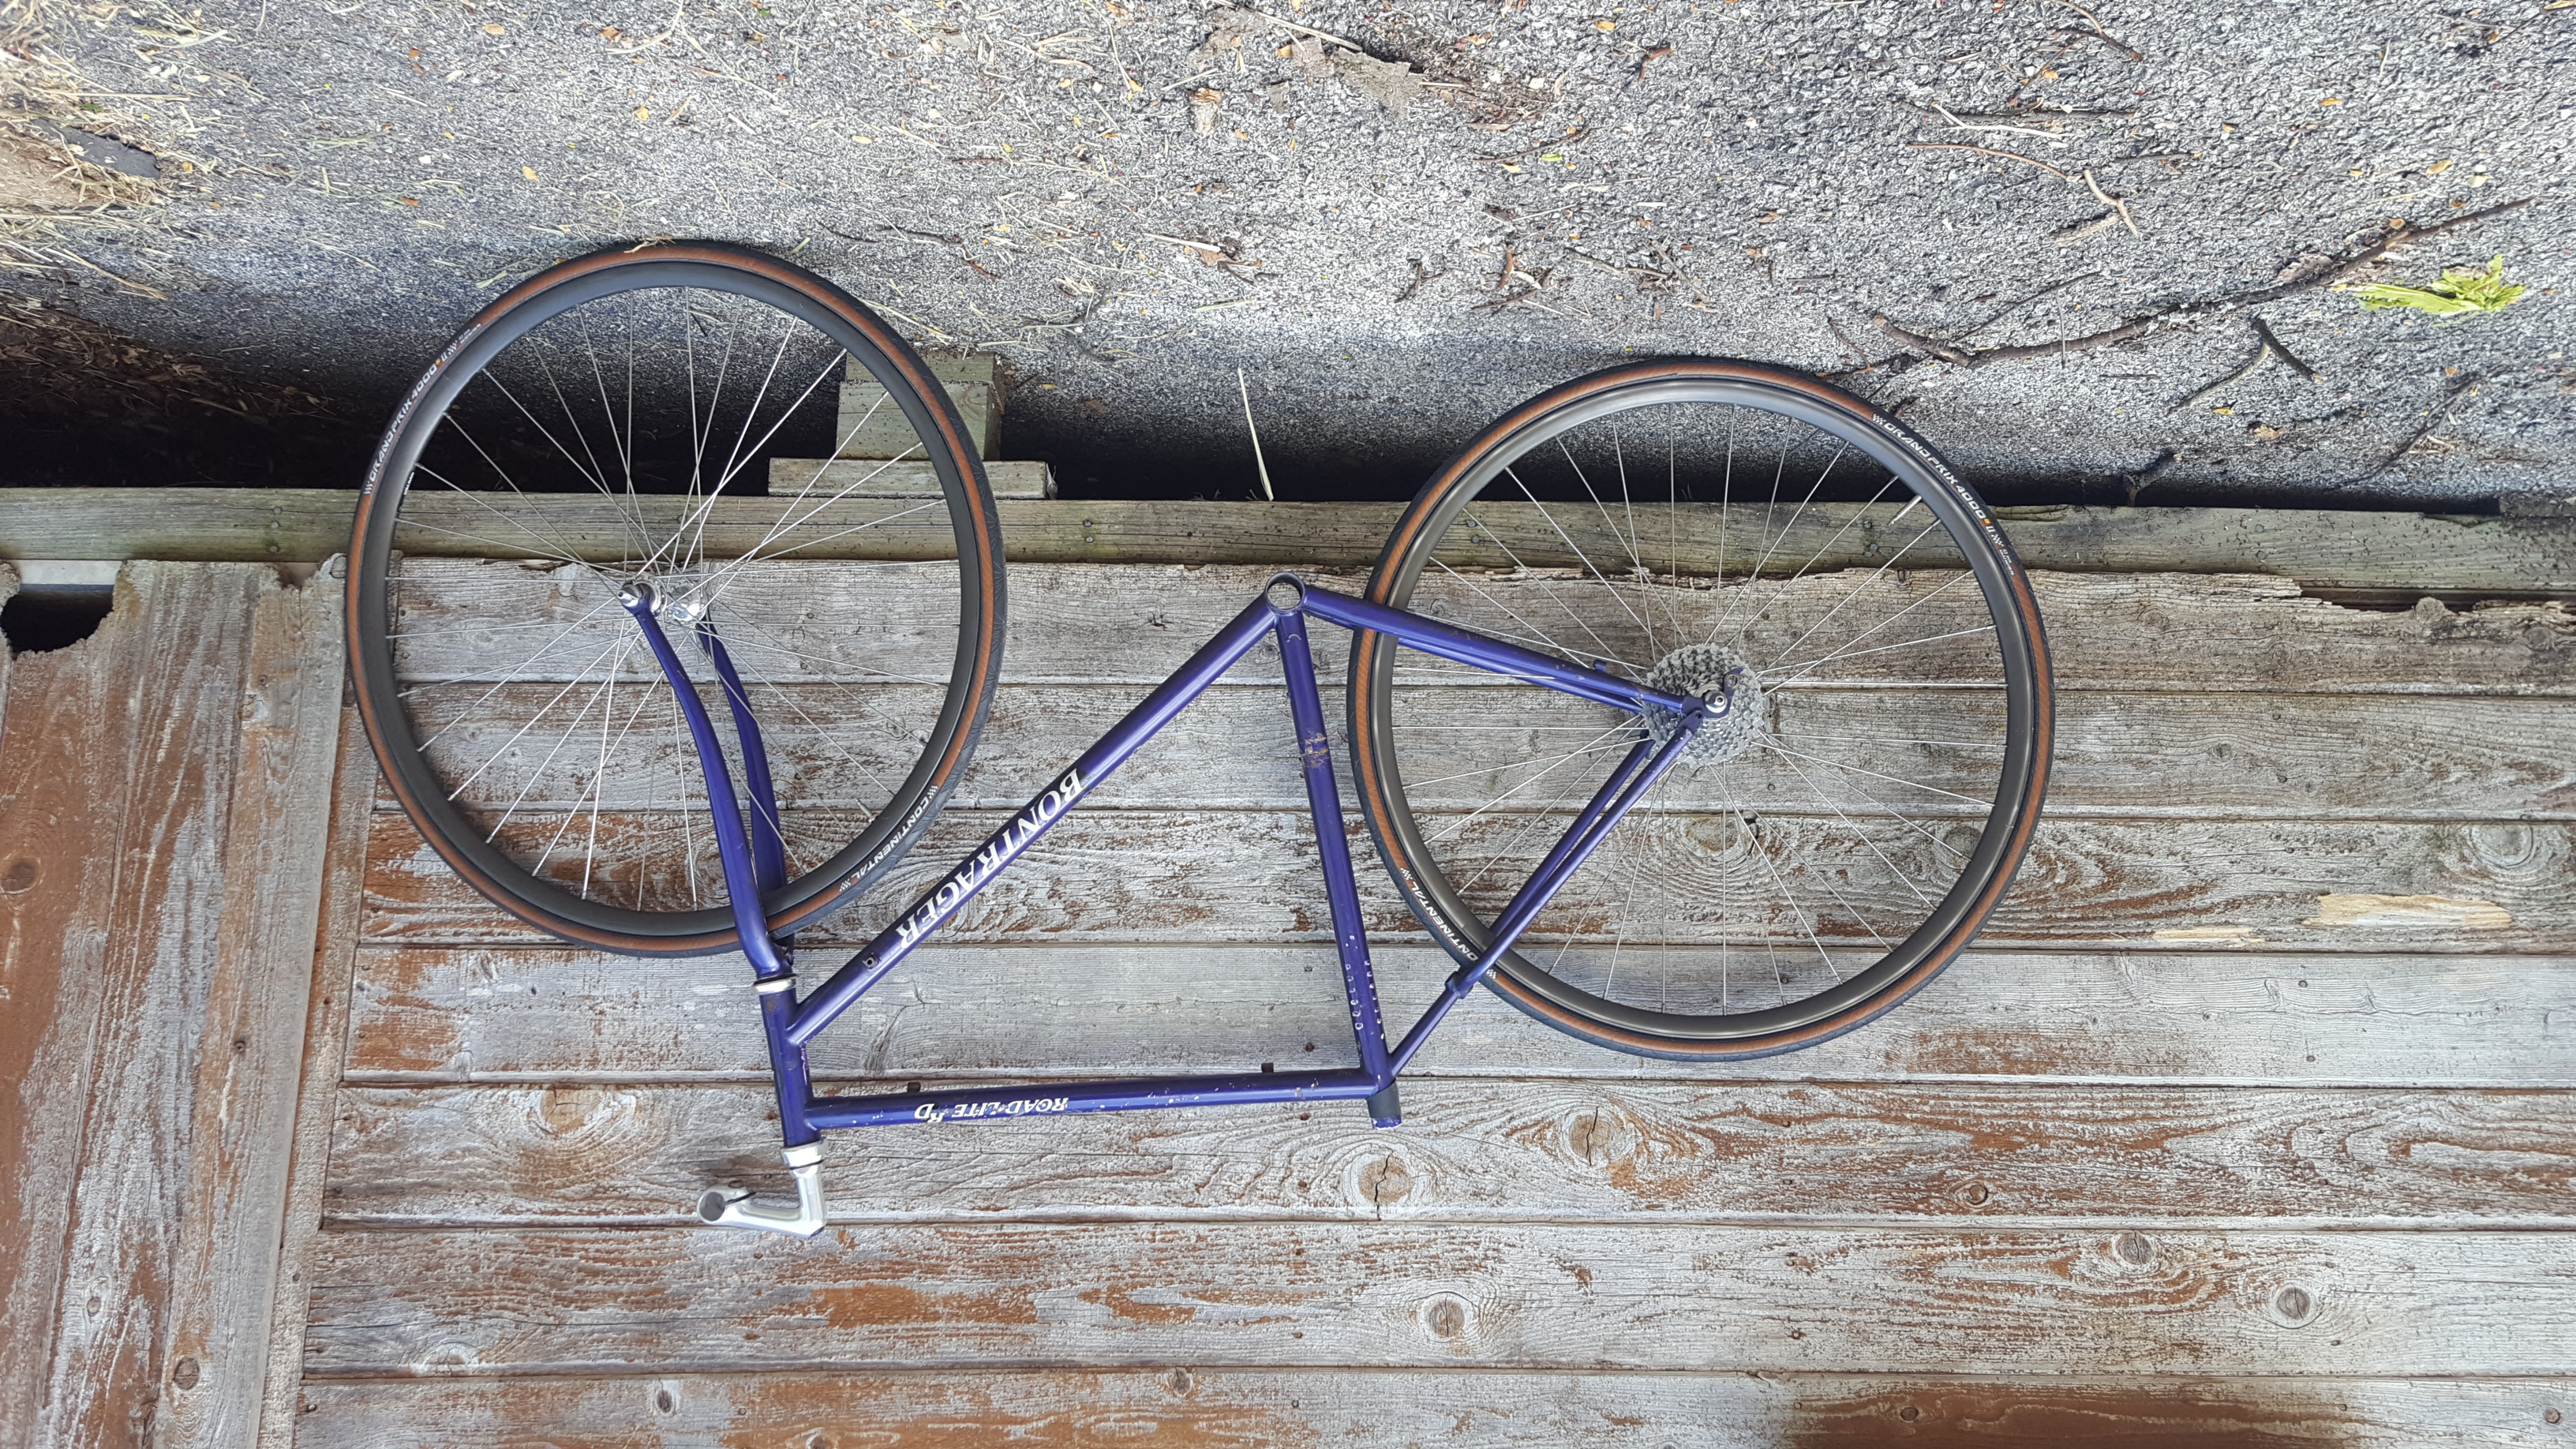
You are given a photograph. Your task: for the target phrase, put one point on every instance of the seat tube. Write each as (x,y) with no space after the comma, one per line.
(788,1070)
(1324,799)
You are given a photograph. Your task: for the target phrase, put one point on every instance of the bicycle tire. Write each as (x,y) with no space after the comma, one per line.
(450,581)
(1745,805)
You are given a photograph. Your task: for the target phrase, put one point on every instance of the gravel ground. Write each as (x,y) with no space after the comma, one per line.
(1397,238)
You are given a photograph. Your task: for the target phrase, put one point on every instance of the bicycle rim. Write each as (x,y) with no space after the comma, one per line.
(614,419)
(1825,847)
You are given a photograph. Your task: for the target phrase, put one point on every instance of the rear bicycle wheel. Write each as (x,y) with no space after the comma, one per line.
(612,420)
(1823,849)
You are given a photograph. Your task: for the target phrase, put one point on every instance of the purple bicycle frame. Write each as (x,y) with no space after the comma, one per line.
(753,860)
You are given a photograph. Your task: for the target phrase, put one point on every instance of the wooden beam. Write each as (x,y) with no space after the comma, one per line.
(2511,557)
(130,910)
(547,1015)
(867,428)
(1676,1296)
(847,478)
(324,1052)
(249,1051)
(1457,1408)
(1614,1153)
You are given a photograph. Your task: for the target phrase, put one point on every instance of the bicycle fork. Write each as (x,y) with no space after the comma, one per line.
(754,861)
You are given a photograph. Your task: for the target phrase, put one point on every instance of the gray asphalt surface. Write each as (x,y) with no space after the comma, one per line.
(1393,253)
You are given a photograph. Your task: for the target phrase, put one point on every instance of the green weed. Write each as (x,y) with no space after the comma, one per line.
(2459,291)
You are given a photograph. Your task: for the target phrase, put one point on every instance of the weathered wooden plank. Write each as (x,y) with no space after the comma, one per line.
(1136,624)
(322,1052)
(869,428)
(820,478)
(248,1052)
(1244,875)
(1384,1295)
(558,1015)
(2418,757)
(66,747)
(1484,1150)
(2501,556)
(121,793)
(8,591)
(1166,1407)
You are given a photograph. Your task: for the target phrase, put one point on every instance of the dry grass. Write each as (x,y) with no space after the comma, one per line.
(53,363)
(40,83)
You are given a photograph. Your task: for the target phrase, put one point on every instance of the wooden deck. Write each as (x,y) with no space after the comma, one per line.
(2251,1121)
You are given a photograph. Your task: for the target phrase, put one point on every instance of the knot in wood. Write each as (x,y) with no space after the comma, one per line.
(2134,1248)
(1385,1181)
(2294,1304)
(1445,1317)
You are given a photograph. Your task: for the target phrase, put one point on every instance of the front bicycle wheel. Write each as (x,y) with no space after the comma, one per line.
(616,419)
(1738,533)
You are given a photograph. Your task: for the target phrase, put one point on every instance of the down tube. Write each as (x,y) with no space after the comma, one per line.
(1034,819)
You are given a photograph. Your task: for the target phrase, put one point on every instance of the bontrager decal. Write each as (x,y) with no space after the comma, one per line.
(1006,843)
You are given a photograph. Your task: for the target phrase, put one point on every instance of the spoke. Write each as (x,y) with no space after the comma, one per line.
(1936,592)
(1588,749)
(547,763)
(561,549)
(1771,543)
(1856,590)
(750,414)
(766,640)
(579,433)
(596,482)
(1586,559)
(1525,784)
(685,751)
(562,633)
(1906,820)
(504,682)
(1511,849)
(1863,836)
(1619,932)
(599,791)
(488,760)
(1424,729)
(735,566)
(500,549)
(1883,649)
(698,543)
(1891,779)
(1533,574)
(1770,509)
(1822,549)
(1536,636)
(623,439)
(1627,541)
(598,774)
(1906,740)
(827,737)
(1797,911)
(807,491)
